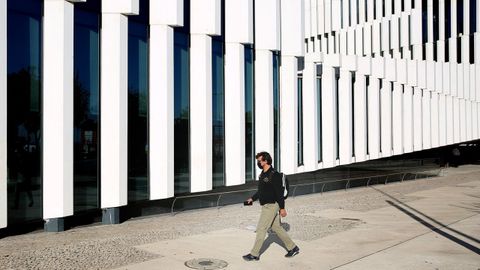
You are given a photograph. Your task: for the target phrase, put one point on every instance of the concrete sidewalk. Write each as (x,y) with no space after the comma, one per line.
(438,230)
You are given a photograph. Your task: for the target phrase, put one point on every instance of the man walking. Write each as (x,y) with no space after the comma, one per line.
(270,194)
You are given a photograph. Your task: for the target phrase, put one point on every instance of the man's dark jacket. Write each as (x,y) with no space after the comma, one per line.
(270,189)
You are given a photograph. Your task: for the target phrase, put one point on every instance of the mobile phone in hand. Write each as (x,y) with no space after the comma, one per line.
(247,203)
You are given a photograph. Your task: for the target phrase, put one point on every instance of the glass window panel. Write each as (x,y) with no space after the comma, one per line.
(319,115)
(137,111)
(300,120)
(24,184)
(86,114)
(218,114)
(182,112)
(276,110)
(249,115)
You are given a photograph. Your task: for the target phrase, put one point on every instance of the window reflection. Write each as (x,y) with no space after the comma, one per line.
(249,115)
(300,120)
(24,143)
(319,111)
(137,105)
(276,109)
(182,112)
(86,106)
(218,113)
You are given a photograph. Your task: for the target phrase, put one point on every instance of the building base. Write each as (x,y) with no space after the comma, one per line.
(54,225)
(111,215)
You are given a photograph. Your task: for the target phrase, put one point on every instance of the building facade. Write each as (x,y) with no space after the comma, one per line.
(109,102)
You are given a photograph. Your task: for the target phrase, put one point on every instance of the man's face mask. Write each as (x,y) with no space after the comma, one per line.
(259,165)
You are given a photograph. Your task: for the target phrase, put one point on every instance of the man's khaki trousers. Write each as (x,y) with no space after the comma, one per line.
(270,218)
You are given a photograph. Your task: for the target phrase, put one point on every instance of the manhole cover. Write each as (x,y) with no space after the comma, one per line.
(206,264)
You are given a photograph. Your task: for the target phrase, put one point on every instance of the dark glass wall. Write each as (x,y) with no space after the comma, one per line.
(300,120)
(182,112)
(319,115)
(276,110)
(24,142)
(249,114)
(218,113)
(337,113)
(138,105)
(86,105)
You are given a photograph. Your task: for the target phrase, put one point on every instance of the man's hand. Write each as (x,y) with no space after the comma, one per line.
(283,212)
(249,201)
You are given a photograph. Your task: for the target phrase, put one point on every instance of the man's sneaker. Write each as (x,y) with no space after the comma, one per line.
(250,257)
(292,252)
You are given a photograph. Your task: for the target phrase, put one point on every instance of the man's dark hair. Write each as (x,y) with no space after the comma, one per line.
(265,156)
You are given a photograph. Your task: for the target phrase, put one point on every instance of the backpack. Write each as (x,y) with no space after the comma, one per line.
(286,186)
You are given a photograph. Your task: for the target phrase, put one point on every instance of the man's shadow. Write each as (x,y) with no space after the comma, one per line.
(273,238)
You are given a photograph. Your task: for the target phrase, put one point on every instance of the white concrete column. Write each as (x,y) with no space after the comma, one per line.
(386,118)
(163,16)
(408,119)
(463,120)
(345,14)
(200,112)
(328,15)
(289,106)
(477,48)
(310,117)
(456,120)
(460,81)
(360,118)
(370,9)
(293,46)
(308,19)
(267,39)
(353,12)
(235,114)
(361,11)
(161,112)
(3,114)
(473,91)
(469,123)
(475,120)
(453,77)
(374,118)
(345,116)
(417,119)
(329,122)
(57,109)
(478,117)
(264,101)
(397,124)
(450,121)
(114,101)
(426,119)
(204,21)
(442,120)
(238,29)
(434,107)
(397,7)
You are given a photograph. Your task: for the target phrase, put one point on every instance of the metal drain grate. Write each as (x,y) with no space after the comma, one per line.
(206,264)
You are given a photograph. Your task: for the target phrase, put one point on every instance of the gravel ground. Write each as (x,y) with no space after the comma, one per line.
(110,246)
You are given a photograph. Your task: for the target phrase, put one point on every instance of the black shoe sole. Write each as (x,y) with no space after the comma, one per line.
(295,253)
